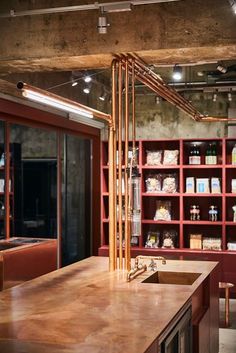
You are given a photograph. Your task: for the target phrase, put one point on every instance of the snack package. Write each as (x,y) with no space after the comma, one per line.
(170,157)
(203,185)
(153,240)
(195,241)
(190,185)
(169,239)
(163,211)
(211,244)
(169,184)
(215,186)
(154,157)
(153,183)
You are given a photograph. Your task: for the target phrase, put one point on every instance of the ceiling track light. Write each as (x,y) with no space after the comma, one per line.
(233,5)
(157,100)
(102,24)
(86,90)
(230,96)
(220,67)
(214,98)
(87,78)
(177,72)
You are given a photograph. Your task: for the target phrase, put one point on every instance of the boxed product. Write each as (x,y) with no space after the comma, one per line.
(233,185)
(190,185)
(211,244)
(202,185)
(231,246)
(170,157)
(215,186)
(195,241)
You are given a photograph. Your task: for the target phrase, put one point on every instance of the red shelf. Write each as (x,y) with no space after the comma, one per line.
(151,194)
(150,221)
(160,166)
(202,166)
(201,195)
(207,223)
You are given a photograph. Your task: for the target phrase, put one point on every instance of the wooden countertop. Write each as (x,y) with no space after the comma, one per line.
(83,308)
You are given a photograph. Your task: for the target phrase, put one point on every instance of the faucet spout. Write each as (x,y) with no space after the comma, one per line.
(140,268)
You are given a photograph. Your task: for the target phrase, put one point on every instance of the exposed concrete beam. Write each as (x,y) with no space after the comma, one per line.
(186,31)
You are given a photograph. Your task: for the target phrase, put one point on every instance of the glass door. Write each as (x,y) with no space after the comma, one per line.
(76,199)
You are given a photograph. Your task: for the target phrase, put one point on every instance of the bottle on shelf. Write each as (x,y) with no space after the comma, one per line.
(211,155)
(234,155)
(194,155)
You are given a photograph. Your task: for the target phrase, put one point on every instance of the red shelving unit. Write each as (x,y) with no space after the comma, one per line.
(224,228)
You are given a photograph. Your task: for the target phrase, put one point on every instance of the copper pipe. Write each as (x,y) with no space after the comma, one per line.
(96,113)
(154,82)
(111,199)
(127,208)
(133,107)
(7,164)
(59,201)
(210,119)
(120,166)
(111,175)
(115,194)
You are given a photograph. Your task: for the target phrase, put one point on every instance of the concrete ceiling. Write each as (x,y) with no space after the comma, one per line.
(188,31)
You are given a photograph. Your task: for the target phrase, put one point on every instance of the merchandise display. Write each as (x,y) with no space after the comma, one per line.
(170,157)
(233,185)
(231,246)
(169,184)
(153,183)
(202,185)
(153,240)
(211,157)
(213,213)
(163,211)
(215,186)
(234,213)
(234,155)
(194,155)
(169,239)
(190,185)
(211,243)
(154,157)
(195,241)
(194,213)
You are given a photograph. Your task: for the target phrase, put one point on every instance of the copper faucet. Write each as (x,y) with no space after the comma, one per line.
(140,268)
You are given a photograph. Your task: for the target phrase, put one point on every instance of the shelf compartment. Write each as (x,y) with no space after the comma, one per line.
(159,228)
(204,203)
(202,144)
(206,230)
(230,174)
(150,173)
(229,144)
(149,205)
(160,145)
(230,202)
(230,233)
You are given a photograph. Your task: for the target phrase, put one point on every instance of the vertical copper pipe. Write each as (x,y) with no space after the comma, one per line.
(111,176)
(120,165)
(115,194)
(59,201)
(127,208)
(111,199)
(7,178)
(133,106)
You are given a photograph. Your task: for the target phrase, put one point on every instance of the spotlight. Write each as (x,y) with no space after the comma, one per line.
(102,24)
(233,5)
(229,96)
(157,100)
(86,90)
(102,96)
(74,83)
(87,78)
(177,72)
(220,67)
(214,98)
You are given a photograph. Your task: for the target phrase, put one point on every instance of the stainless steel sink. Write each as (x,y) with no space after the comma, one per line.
(165,277)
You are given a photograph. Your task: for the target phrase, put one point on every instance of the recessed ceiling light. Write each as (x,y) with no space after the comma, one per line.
(200,73)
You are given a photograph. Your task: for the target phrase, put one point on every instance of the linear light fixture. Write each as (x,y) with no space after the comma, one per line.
(61,103)
(115,6)
(89,122)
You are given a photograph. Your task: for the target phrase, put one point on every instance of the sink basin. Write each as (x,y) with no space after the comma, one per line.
(165,277)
